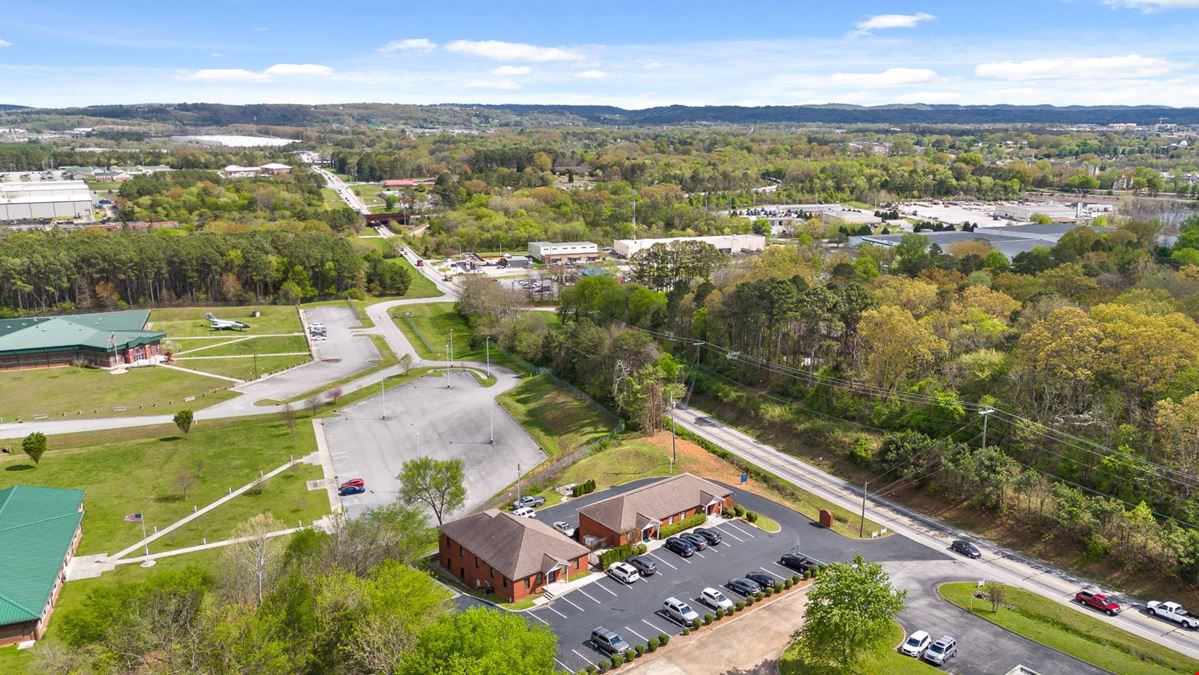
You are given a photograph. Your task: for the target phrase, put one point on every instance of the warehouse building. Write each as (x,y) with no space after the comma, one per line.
(105,340)
(1010,240)
(552,253)
(726,243)
(46,200)
(39,531)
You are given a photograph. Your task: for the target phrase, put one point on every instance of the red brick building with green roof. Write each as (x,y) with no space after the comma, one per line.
(39,530)
(106,340)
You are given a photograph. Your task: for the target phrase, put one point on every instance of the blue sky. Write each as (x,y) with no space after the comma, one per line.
(631,54)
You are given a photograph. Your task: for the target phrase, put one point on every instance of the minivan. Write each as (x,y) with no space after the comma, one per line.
(679,611)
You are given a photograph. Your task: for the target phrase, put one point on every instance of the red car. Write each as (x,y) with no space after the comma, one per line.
(353,482)
(1098,601)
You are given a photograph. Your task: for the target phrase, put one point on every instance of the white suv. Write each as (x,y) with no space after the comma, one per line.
(679,611)
(623,572)
(916,644)
(525,512)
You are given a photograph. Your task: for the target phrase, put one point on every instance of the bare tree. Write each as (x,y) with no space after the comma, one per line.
(288,415)
(185,480)
(405,363)
(995,595)
(314,403)
(251,564)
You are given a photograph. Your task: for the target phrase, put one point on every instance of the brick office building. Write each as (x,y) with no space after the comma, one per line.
(105,340)
(637,514)
(516,557)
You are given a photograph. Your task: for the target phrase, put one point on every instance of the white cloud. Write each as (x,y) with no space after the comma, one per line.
(511,70)
(260,29)
(591,74)
(1105,67)
(216,55)
(273,72)
(408,45)
(512,51)
(1154,5)
(891,77)
(492,84)
(5,43)
(889,21)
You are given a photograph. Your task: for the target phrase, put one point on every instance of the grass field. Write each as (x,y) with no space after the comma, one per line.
(632,459)
(371,242)
(884,660)
(421,286)
(243,345)
(428,326)
(1086,638)
(92,392)
(369,193)
(134,473)
(554,416)
(332,199)
(242,368)
(190,321)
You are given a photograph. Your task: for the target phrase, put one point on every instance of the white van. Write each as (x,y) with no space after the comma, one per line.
(679,611)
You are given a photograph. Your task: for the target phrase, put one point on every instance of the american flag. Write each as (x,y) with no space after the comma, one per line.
(133,518)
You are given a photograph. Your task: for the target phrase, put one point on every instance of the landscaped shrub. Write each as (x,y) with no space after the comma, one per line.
(738,510)
(584,488)
(686,631)
(749,600)
(726,513)
(640,649)
(619,553)
(709,618)
(759,595)
(740,605)
(663,639)
(684,524)
(604,665)
(751,516)
(719,613)
(653,643)
(769,591)
(795,578)
(695,624)
(787,584)
(617,660)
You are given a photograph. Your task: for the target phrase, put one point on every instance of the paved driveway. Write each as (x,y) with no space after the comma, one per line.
(425,418)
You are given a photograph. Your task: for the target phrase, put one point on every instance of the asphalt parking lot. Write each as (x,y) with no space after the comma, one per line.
(425,418)
(634,611)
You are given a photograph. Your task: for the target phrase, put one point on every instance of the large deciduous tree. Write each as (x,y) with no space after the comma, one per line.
(34,445)
(666,266)
(896,347)
(482,641)
(436,483)
(850,612)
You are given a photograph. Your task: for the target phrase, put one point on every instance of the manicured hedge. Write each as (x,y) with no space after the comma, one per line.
(620,553)
(684,524)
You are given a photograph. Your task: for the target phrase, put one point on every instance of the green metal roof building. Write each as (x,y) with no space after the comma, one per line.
(105,339)
(39,530)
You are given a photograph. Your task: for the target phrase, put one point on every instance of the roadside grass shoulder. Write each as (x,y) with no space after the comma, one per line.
(884,659)
(428,326)
(1086,638)
(558,420)
(75,393)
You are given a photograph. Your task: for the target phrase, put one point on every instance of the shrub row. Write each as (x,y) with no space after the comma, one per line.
(584,488)
(684,524)
(618,660)
(619,553)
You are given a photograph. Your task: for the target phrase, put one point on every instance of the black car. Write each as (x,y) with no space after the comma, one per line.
(712,536)
(965,548)
(696,540)
(644,564)
(799,563)
(761,578)
(743,586)
(679,546)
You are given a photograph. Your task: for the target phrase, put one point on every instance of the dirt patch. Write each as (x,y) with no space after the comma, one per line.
(703,463)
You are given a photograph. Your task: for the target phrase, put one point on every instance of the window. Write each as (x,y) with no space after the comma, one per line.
(505,582)
(461,551)
(476,562)
(491,572)
(526,584)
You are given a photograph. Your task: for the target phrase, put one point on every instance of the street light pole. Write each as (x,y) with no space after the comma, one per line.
(985,412)
(383,393)
(487,342)
(674,456)
(862,523)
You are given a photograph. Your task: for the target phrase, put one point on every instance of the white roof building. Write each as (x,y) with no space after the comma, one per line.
(727,243)
(46,200)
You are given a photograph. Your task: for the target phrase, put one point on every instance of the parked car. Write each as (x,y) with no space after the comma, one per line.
(565,528)
(695,540)
(420,262)
(353,482)
(529,501)
(916,644)
(965,548)
(351,490)
(525,512)
(798,562)
(713,598)
(644,564)
(743,586)
(942,650)
(608,642)
(679,611)
(711,535)
(762,579)
(1098,601)
(679,546)
(623,572)
(1172,611)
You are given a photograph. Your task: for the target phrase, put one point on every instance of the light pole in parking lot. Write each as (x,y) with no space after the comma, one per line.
(383,400)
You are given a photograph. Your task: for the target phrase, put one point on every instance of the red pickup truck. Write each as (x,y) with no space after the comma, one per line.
(1098,601)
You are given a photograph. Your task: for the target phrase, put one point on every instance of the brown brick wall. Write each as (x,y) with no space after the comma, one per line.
(472,571)
(587,526)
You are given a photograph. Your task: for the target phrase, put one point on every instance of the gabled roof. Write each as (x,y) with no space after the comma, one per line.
(649,504)
(37,525)
(94,331)
(516,547)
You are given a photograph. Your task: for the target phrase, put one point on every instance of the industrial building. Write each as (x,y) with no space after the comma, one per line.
(40,528)
(552,253)
(1024,213)
(1010,240)
(46,200)
(269,169)
(105,340)
(726,243)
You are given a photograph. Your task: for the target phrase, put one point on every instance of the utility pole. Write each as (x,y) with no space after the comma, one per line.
(383,393)
(518,481)
(862,523)
(491,421)
(674,456)
(985,412)
(451,347)
(487,342)
(447,367)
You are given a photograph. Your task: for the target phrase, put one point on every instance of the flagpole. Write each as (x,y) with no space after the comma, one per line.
(148,562)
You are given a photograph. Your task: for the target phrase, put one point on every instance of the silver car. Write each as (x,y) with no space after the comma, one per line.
(940,651)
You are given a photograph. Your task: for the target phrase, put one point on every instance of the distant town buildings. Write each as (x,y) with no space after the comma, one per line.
(46,200)
(228,141)
(269,169)
(565,252)
(726,243)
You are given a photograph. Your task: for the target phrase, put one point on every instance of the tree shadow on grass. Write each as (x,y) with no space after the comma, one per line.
(170,439)
(19,467)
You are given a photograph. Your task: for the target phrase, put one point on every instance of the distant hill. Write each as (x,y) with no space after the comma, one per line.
(218,115)
(9,106)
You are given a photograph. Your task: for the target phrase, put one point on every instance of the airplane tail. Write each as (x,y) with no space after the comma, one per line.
(210,317)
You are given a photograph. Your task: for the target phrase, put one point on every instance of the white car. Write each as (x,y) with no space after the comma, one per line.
(1172,611)
(680,611)
(525,512)
(565,528)
(715,599)
(623,572)
(916,644)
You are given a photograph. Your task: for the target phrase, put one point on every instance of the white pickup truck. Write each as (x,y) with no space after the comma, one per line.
(1173,612)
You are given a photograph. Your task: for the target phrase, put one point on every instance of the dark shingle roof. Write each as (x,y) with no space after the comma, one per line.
(637,508)
(516,547)
(37,525)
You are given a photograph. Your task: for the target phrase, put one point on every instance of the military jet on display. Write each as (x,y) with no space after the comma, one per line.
(224,324)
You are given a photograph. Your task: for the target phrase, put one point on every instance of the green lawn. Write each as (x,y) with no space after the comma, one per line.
(369,193)
(332,199)
(555,417)
(242,368)
(369,241)
(243,346)
(144,474)
(628,461)
(421,286)
(427,327)
(69,392)
(1087,638)
(886,659)
(190,321)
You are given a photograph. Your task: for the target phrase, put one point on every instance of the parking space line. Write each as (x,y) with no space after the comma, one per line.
(589,595)
(663,562)
(538,618)
(730,534)
(555,611)
(771,573)
(572,604)
(561,664)
(584,657)
(643,638)
(700,554)
(605,588)
(653,626)
(784,568)
(740,530)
